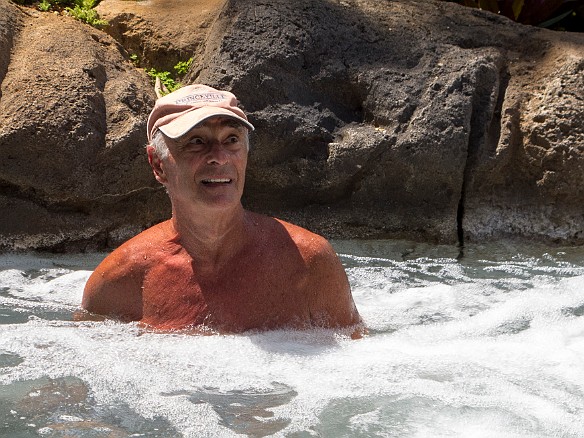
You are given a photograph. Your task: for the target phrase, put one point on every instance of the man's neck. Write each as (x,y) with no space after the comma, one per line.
(210,238)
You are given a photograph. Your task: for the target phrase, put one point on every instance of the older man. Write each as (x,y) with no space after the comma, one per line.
(214,264)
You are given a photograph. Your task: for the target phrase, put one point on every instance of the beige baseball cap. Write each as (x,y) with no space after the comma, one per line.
(177,112)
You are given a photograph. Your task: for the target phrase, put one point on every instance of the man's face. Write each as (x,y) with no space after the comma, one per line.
(207,165)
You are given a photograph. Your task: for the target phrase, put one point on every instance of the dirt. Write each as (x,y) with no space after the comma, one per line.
(160,32)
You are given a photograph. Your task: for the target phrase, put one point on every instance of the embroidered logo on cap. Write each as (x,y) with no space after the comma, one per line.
(200,97)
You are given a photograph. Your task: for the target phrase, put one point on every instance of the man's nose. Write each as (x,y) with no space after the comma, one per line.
(217,154)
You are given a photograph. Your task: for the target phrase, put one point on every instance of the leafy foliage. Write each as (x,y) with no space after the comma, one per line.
(183,66)
(165,78)
(44,5)
(86,14)
(82,10)
(169,82)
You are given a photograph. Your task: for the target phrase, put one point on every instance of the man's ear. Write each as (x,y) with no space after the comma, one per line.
(156,164)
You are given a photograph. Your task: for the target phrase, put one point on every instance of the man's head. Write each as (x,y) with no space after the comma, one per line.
(198,144)
(178,112)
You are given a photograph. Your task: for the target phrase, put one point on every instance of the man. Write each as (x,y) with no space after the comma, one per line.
(215,265)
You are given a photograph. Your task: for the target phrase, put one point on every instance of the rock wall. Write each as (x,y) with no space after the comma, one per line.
(530,182)
(72,116)
(413,119)
(407,118)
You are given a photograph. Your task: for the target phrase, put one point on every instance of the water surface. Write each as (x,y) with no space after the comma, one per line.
(487,345)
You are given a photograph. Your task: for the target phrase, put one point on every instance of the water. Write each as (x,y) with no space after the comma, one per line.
(487,345)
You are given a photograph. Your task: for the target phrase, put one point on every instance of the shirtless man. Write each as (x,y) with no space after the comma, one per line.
(214,264)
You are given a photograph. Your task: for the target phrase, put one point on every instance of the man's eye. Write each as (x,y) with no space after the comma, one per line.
(193,145)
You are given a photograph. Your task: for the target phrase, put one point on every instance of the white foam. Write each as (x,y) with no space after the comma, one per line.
(476,350)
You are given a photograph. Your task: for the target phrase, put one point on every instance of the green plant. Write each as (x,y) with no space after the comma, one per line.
(82,10)
(183,66)
(44,5)
(56,4)
(170,83)
(87,15)
(165,78)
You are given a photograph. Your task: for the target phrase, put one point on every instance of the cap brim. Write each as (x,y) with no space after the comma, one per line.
(183,124)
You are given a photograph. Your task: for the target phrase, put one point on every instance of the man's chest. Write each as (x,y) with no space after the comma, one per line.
(236,299)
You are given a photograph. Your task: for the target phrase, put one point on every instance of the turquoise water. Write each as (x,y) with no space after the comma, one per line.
(490,344)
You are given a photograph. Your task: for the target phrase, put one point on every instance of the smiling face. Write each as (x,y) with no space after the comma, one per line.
(206,166)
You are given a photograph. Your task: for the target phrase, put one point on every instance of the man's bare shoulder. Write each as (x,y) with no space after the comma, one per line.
(116,282)
(316,252)
(149,238)
(312,246)
(139,250)
(327,289)
(278,231)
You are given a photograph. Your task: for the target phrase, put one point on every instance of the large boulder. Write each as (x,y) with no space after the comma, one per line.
(72,135)
(418,119)
(9,25)
(415,119)
(528,178)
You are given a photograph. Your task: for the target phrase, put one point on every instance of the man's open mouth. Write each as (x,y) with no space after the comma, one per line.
(216,181)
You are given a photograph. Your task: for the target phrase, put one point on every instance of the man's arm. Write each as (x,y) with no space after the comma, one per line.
(114,288)
(330,301)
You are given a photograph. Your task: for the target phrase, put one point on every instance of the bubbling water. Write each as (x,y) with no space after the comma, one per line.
(487,345)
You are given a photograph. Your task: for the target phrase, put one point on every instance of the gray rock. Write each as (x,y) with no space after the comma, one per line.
(72,134)
(410,119)
(528,179)
(9,24)
(406,118)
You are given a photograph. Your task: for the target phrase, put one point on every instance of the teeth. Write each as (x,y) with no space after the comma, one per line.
(217,180)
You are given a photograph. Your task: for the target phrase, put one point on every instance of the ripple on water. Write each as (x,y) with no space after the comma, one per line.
(64,407)
(8,360)
(490,344)
(416,416)
(247,411)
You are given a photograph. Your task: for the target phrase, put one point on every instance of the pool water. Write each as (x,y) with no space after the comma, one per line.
(489,343)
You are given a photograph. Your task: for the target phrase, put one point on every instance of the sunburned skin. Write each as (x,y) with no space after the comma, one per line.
(285,277)
(214,265)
